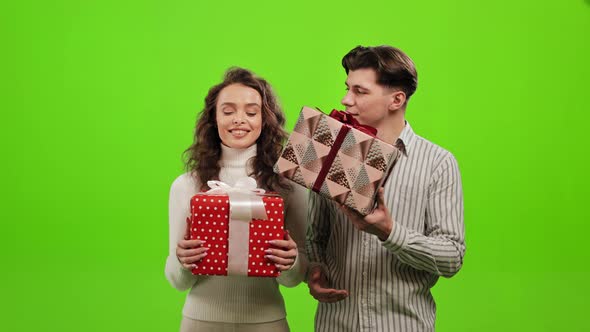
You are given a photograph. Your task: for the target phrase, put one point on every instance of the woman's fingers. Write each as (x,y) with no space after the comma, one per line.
(286,244)
(283,267)
(280,260)
(189,252)
(189,244)
(194,259)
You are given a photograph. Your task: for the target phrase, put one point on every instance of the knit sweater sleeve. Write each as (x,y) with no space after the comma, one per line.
(296,224)
(181,191)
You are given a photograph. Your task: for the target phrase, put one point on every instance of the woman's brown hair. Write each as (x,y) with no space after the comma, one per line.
(202,157)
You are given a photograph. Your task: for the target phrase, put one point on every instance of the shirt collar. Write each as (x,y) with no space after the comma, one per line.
(403,143)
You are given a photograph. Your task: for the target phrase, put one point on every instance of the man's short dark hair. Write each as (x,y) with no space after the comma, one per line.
(393,67)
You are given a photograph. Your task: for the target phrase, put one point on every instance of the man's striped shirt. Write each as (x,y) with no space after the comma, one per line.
(389,282)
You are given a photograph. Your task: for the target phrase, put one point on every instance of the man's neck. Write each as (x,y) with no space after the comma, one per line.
(390,129)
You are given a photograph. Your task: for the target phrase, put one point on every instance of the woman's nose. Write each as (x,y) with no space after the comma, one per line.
(238,118)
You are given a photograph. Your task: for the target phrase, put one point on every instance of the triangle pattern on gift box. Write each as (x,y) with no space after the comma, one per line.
(349,201)
(301,125)
(298,176)
(342,198)
(336,189)
(308,176)
(298,139)
(368,190)
(351,174)
(362,178)
(374,174)
(321,149)
(375,158)
(285,166)
(308,112)
(391,156)
(312,119)
(309,155)
(300,150)
(335,125)
(307,122)
(364,203)
(348,141)
(353,151)
(324,190)
(351,167)
(323,134)
(289,154)
(365,147)
(356,145)
(314,165)
(337,174)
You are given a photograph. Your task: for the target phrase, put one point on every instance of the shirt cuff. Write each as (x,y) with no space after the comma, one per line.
(397,239)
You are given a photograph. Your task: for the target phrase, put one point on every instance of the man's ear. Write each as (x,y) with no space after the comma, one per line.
(398,100)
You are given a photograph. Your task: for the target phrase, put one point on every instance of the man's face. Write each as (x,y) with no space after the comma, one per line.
(366,100)
(239,116)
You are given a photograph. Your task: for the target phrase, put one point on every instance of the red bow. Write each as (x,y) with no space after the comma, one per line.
(349,120)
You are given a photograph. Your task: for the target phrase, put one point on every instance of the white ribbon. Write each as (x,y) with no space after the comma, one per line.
(245,204)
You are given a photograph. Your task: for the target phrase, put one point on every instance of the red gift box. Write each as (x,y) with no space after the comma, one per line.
(210,222)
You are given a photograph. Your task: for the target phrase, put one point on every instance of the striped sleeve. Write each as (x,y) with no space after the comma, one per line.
(440,249)
(318,231)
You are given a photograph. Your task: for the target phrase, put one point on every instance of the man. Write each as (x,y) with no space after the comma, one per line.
(375,273)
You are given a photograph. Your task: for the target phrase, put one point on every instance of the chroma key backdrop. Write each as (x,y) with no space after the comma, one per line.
(99,100)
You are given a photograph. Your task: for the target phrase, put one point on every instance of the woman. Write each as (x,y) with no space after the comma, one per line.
(239,133)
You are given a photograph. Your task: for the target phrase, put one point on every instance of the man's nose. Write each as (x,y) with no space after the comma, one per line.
(347,100)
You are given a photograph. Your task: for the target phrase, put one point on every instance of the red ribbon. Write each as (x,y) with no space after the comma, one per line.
(347,119)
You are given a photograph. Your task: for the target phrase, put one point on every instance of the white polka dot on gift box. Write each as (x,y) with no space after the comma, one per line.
(262,231)
(210,223)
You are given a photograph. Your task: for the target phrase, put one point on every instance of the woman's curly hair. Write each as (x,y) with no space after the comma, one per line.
(202,157)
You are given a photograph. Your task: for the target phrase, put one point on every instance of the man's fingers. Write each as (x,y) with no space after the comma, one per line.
(328,294)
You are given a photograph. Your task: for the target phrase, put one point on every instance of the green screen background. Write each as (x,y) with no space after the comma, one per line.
(99,99)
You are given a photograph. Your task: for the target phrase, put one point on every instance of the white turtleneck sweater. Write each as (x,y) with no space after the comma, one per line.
(233,299)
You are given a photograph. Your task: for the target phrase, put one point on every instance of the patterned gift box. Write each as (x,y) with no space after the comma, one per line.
(210,221)
(339,160)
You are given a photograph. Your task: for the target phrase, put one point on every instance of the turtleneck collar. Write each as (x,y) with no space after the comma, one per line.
(231,157)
